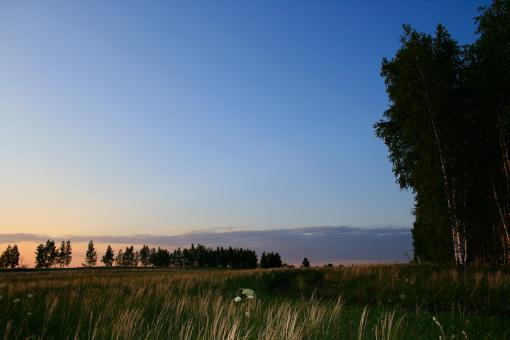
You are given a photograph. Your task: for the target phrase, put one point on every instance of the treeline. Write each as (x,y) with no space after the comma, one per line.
(448,134)
(48,255)
(199,256)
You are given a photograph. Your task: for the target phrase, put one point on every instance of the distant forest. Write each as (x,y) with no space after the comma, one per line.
(48,255)
(448,133)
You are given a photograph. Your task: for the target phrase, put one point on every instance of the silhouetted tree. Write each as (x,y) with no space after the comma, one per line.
(108,257)
(10,257)
(160,258)
(68,256)
(145,255)
(306,263)
(130,257)
(119,260)
(90,255)
(64,254)
(270,260)
(46,254)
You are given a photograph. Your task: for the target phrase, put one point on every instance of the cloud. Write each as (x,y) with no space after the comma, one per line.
(320,244)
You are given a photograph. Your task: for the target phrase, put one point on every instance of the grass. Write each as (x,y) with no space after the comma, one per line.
(361,302)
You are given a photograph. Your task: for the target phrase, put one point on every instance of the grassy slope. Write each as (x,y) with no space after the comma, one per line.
(393,301)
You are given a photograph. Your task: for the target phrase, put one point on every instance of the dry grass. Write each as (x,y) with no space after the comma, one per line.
(187,304)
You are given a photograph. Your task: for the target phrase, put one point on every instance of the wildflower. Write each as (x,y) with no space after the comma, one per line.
(29,314)
(237,299)
(16,300)
(434,319)
(250,297)
(30,296)
(248,292)
(402,296)
(247,314)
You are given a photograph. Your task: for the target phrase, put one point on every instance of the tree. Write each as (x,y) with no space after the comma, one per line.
(40,257)
(270,260)
(306,263)
(14,257)
(160,257)
(90,255)
(108,257)
(68,257)
(10,257)
(61,254)
(46,255)
(119,261)
(130,257)
(448,134)
(145,255)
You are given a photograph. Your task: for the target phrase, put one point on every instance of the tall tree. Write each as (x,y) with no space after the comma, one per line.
(90,255)
(68,257)
(144,255)
(46,254)
(108,257)
(40,256)
(448,133)
(423,129)
(10,257)
(14,257)
(60,260)
(119,260)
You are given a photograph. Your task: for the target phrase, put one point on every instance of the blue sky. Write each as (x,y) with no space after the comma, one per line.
(164,117)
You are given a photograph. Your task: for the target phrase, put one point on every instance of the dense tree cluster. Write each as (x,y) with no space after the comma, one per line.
(10,257)
(199,256)
(448,134)
(64,254)
(270,260)
(46,255)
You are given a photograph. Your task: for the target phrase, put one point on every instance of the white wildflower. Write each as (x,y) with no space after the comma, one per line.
(29,314)
(237,299)
(248,292)
(402,296)
(250,297)
(16,300)
(247,314)
(30,296)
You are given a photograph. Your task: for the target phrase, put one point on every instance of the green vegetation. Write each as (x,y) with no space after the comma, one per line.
(368,302)
(448,133)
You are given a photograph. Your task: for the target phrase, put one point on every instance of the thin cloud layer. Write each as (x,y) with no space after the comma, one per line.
(319,244)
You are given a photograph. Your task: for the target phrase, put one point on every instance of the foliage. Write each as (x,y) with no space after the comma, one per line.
(46,255)
(90,255)
(270,260)
(108,257)
(64,254)
(447,131)
(10,257)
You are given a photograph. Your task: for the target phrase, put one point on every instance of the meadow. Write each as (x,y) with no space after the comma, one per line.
(358,302)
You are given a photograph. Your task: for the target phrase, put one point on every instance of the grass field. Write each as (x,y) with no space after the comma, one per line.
(367,302)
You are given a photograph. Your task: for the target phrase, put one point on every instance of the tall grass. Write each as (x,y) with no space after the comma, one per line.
(290,304)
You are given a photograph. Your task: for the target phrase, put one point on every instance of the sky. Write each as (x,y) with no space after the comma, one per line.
(170,117)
